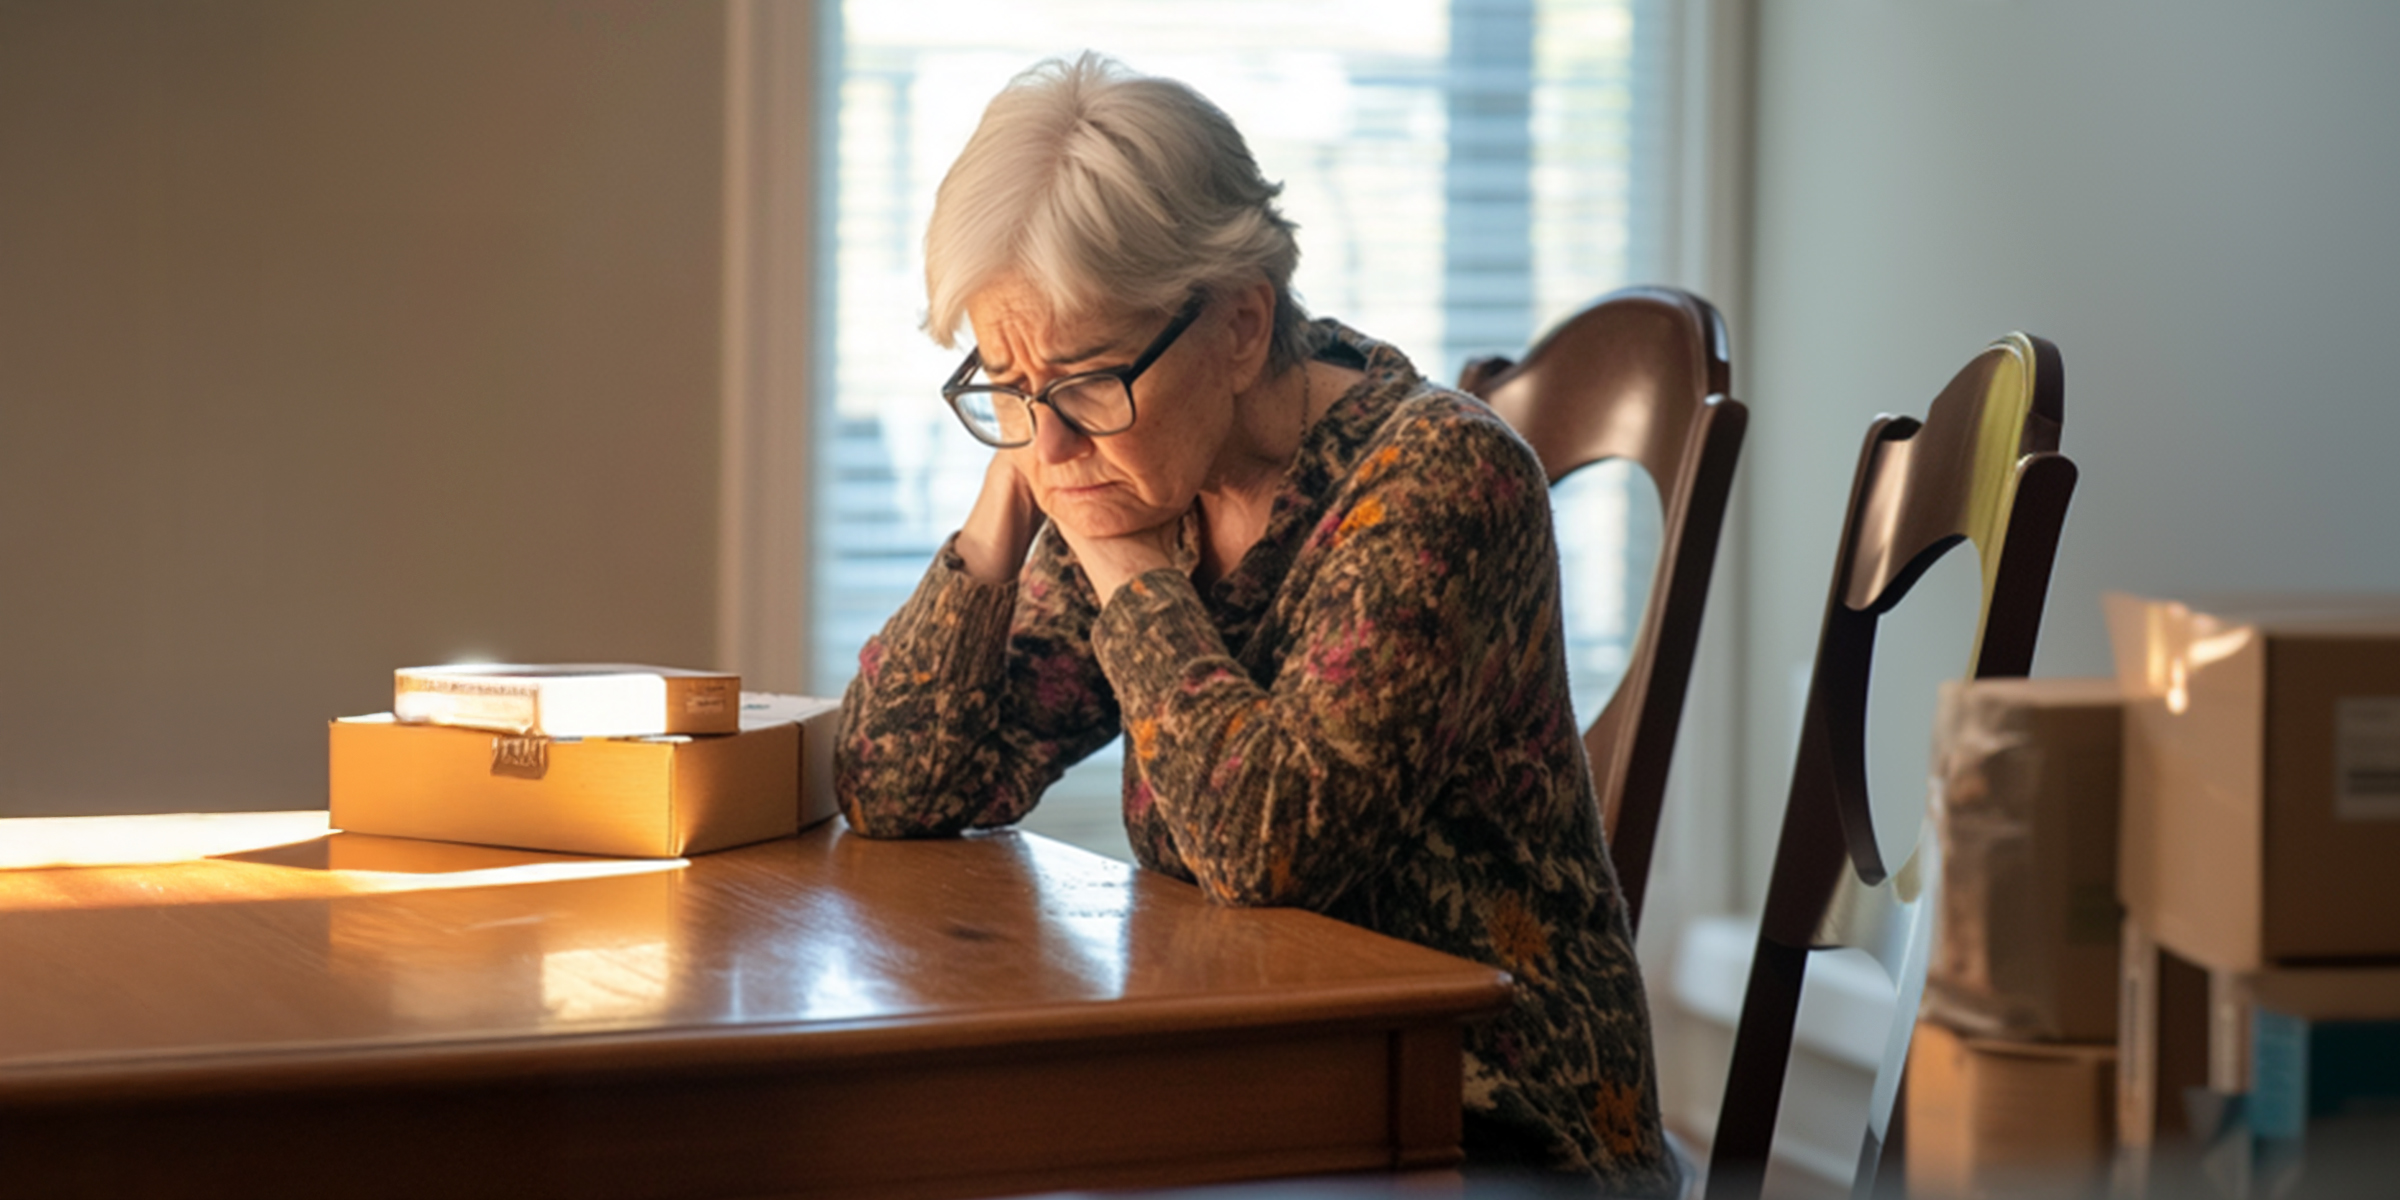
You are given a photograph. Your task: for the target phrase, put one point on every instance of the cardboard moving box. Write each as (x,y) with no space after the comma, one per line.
(2027,944)
(562,700)
(2262,777)
(1989,1117)
(643,797)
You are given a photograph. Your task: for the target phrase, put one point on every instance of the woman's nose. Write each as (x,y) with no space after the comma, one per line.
(1055,440)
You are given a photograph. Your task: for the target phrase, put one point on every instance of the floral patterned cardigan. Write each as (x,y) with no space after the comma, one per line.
(1368,717)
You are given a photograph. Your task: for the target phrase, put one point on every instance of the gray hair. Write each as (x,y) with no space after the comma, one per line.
(1107,189)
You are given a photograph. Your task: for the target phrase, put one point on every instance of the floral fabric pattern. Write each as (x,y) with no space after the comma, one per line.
(1368,717)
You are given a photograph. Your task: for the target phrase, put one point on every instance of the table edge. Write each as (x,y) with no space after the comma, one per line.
(734,1048)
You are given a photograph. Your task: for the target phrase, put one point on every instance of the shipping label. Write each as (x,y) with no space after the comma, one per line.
(2366,758)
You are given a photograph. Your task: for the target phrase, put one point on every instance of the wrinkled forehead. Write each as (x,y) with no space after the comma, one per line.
(1015,323)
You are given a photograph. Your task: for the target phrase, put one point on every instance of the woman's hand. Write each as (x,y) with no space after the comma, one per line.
(1000,528)
(999,531)
(1109,561)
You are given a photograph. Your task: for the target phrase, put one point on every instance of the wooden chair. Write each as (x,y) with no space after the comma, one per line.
(1981,468)
(1642,375)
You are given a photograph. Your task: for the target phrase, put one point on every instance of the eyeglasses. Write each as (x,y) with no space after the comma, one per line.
(1093,403)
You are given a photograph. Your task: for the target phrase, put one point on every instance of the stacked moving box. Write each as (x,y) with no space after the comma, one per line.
(2012,1077)
(584,759)
(2261,825)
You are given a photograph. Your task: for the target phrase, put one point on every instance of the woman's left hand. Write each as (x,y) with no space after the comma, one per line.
(1109,561)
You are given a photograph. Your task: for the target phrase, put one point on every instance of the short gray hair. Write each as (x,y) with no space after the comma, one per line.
(1107,189)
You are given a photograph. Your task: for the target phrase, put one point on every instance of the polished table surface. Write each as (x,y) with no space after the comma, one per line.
(249,1004)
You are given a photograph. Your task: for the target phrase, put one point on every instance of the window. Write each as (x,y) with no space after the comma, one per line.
(1462,172)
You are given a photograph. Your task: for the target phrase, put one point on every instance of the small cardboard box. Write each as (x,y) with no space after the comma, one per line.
(2027,945)
(2262,777)
(1988,1116)
(655,797)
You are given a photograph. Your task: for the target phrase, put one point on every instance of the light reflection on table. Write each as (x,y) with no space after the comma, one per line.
(215,858)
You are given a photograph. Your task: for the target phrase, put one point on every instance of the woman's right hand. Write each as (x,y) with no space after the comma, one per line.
(1000,528)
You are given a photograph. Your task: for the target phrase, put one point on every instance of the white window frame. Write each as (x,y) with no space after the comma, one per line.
(772,196)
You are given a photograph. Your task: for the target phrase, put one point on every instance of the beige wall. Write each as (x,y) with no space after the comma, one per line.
(2199,202)
(333,338)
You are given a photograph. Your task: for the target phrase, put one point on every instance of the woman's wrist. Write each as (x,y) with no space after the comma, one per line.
(999,530)
(1110,562)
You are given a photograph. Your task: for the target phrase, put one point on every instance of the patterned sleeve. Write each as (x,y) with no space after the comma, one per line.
(1438,572)
(973,699)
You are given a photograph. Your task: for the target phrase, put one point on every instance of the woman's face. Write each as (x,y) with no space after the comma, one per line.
(1125,482)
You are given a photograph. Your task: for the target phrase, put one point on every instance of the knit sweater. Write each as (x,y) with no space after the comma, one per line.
(1367,717)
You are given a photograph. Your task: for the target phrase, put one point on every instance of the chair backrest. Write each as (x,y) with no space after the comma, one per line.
(1642,374)
(1982,468)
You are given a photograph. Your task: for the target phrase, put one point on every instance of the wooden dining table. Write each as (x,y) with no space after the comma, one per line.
(253,1005)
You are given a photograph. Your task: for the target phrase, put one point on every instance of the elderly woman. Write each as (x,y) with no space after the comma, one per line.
(1317,593)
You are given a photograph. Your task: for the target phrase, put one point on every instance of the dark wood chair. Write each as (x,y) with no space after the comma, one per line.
(1983,469)
(1641,375)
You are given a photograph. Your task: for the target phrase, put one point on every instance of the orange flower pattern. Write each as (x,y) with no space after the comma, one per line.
(1368,717)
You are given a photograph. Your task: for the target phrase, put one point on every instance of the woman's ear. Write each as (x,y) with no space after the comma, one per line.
(1250,327)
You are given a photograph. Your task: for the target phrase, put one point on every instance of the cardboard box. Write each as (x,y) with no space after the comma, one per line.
(2262,777)
(2028,771)
(642,797)
(1991,1116)
(570,699)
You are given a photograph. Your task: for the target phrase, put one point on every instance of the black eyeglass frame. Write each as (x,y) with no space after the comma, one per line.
(1124,375)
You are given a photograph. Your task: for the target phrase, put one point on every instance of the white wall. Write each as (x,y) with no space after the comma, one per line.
(335,338)
(2198,201)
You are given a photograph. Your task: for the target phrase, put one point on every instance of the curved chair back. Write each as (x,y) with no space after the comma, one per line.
(1642,374)
(1981,469)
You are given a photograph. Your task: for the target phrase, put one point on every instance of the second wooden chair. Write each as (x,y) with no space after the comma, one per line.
(1981,468)
(1643,375)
